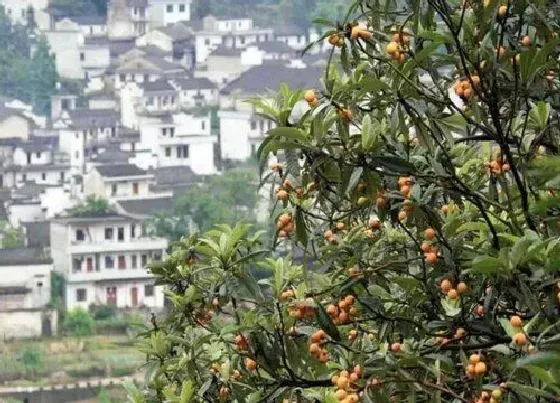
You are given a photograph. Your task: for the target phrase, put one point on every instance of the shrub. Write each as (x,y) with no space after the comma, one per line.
(32,359)
(420,193)
(102,312)
(78,322)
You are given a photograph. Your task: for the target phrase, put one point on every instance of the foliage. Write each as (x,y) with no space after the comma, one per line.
(419,206)
(79,323)
(92,207)
(80,7)
(11,237)
(227,198)
(28,76)
(100,312)
(32,359)
(103,396)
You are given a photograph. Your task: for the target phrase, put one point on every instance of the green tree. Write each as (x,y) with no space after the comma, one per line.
(93,206)
(32,359)
(11,237)
(418,244)
(42,78)
(79,323)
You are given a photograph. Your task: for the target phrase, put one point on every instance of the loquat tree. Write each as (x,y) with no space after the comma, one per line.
(418,248)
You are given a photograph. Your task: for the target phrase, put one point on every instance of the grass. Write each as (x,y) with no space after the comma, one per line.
(100,353)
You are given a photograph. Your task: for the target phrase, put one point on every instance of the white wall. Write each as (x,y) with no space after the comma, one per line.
(37,157)
(160,15)
(35,277)
(65,46)
(156,38)
(204,44)
(15,126)
(24,324)
(47,177)
(56,200)
(17,9)
(102,103)
(234,134)
(72,143)
(28,212)
(98,294)
(94,30)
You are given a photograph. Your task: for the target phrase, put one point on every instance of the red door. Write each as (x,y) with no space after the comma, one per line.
(134,296)
(89,263)
(111,295)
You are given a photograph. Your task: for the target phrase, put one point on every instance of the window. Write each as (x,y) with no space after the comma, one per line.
(253,149)
(38,154)
(144,260)
(150,101)
(181,8)
(122,77)
(81,295)
(203,125)
(253,125)
(62,176)
(207,41)
(109,262)
(171,132)
(76,265)
(261,125)
(113,189)
(80,236)
(77,154)
(89,264)
(133,231)
(242,40)
(163,101)
(28,155)
(168,151)
(148,290)
(65,104)
(122,262)
(43,176)
(169,8)
(120,234)
(134,262)
(135,11)
(109,234)
(164,131)
(39,283)
(135,188)
(113,131)
(82,56)
(183,151)
(24,177)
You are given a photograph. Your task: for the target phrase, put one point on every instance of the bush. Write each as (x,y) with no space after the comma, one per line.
(32,359)
(78,322)
(420,194)
(102,312)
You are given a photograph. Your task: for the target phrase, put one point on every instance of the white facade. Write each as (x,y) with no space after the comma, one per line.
(15,126)
(25,211)
(36,278)
(104,261)
(165,12)
(18,10)
(118,187)
(65,42)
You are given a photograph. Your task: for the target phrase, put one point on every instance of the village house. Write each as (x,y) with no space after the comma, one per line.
(117,182)
(104,259)
(241,129)
(167,12)
(25,284)
(21,11)
(196,92)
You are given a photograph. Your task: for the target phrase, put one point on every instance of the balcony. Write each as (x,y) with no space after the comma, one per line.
(108,274)
(138,244)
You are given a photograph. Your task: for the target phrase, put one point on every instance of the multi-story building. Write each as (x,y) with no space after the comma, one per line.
(117,182)
(104,259)
(127,18)
(25,283)
(166,12)
(22,11)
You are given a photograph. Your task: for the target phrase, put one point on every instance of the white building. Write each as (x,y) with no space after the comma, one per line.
(166,12)
(104,260)
(25,284)
(241,129)
(20,11)
(13,124)
(127,18)
(117,182)
(65,40)
(195,92)
(231,33)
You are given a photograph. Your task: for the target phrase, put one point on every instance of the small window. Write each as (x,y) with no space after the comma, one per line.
(80,235)
(181,8)
(186,151)
(82,56)
(113,131)
(76,265)
(135,188)
(253,125)
(120,234)
(62,176)
(81,295)
(148,290)
(43,176)
(242,40)
(164,131)
(39,283)
(38,154)
(171,132)
(113,189)
(28,156)
(89,264)
(109,234)
(169,8)
(253,149)
(122,262)
(122,77)
(133,231)
(168,151)
(203,125)
(24,177)
(109,262)
(207,41)
(77,154)
(261,125)
(134,262)
(150,101)
(144,260)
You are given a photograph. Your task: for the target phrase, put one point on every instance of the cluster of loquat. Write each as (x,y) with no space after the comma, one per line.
(285,225)
(429,247)
(399,46)
(345,384)
(343,312)
(405,184)
(316,348)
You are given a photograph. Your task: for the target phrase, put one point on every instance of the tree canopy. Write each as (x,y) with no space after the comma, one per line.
(418,207)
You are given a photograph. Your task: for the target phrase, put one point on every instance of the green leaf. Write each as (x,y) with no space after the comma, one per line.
(186,391)
(372,84)
(487,265)
(528,391)
(394,164)
(326,323)
(539,115)
(368,139)
(541,359)
(456,123)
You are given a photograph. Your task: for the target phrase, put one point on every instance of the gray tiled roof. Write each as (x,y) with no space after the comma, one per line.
(225,51)
(288,30)
(90,19)
(195,84)
(275,47)
(174,175)
(270,76)
(147,207)
(156,86)
(177,32)
(115,170)
(84,118)
(24,256)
